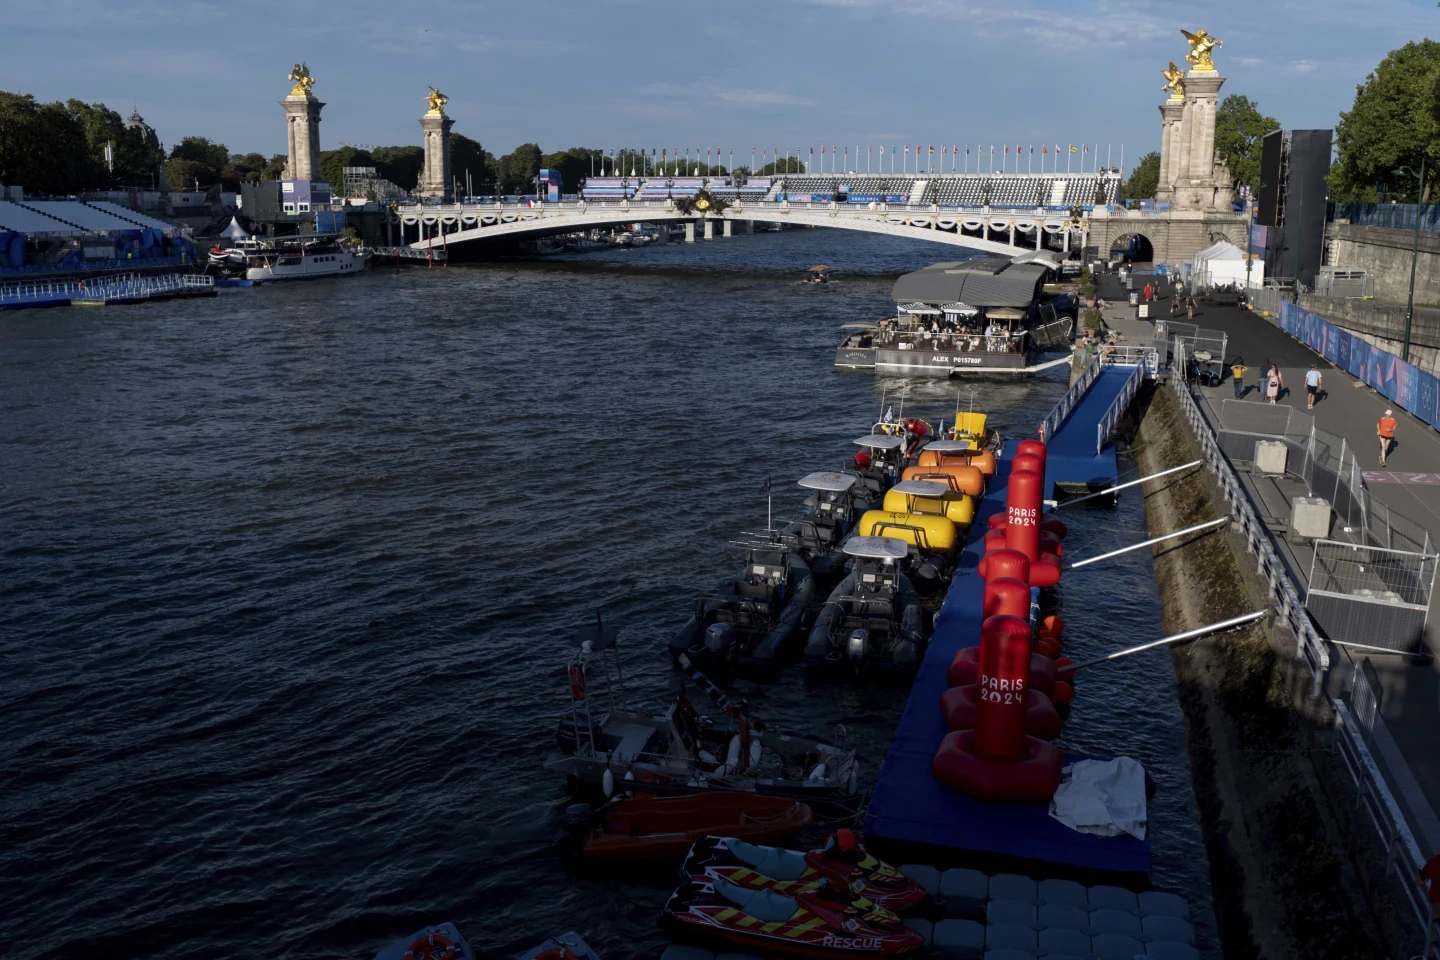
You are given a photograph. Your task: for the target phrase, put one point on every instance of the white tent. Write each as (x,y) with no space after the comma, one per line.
(235,231)
(1224,263)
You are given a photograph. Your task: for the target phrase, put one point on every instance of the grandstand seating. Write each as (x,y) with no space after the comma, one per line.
(25,219)
(658,188)
(134,219)
(609,188)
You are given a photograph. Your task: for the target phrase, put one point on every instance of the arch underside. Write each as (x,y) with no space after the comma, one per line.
(936,228)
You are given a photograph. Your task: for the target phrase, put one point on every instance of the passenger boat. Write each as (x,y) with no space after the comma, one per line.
(439,942)
(680,751)
(827,515)
(825,922)
(585,245)
(630,829)
(751,618)
(819,273)
(873,617)
(289,258)
(843,861)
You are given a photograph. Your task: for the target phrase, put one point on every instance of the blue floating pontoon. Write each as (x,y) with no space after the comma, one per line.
(935,824)
(1070,458)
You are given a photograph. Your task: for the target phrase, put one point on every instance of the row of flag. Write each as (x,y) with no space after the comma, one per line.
(622,159)
(664,151)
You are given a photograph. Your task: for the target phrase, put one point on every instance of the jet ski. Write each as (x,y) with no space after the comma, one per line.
(752,618)
(823,922)
(873,617)
(842,861)
(828,514)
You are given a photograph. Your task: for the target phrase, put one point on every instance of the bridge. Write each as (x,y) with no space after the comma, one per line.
(996,213)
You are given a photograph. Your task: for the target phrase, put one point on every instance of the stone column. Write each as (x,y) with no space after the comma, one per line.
(709,229)
(302,117)
(1195,183)
(725,230)
(1170,113)
(749,228)
(689,231)
(435,175)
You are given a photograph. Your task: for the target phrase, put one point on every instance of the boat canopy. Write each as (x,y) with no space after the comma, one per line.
(919,308)
(879,441)
(921,488)
(950,446)
(981,282)
(818,268)
(1004,313)
(962,309)
(878,548)
(828,481)
(859,326)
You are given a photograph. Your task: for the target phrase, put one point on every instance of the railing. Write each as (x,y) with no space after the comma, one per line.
(37,289)
(1373,795)
(1118,406)
(1309,647)
(1051,424)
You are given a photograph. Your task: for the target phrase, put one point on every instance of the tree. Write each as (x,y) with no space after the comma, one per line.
(519,168)
(1239,128)
(400,165)
(787,165)
(201,150)
(1393,123)
(1144,179)
(334,162)
(44,148)
(575,165)
(467,156)
(135,158)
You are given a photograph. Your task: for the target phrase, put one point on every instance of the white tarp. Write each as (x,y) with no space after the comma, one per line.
(1103,797)
(1223,263)
(235,231)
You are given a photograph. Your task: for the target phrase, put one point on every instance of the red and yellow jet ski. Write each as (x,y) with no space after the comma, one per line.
(842,861)
(822,922)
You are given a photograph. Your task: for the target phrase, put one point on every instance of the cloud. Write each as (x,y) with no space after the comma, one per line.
(759,98)
(1303,66)
(1249,61)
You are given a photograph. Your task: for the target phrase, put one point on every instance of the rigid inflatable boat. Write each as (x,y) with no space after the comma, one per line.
(877,466)
(932,517)
(842,861)
(751,619)
(825,922)
(630,828)
(873,617)
(828,514)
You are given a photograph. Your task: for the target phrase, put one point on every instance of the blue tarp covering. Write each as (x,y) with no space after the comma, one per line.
(910,805)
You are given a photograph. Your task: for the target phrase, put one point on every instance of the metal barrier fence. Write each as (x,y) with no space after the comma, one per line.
(1398,216)
(1380,595)
(1309,647)
(1402,854)
(1145,366)
(1267,300)
(1373,793)
(1051,424)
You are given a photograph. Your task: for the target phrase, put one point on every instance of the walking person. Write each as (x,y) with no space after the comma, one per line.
(1273,385)
(1312,386)
(1237,377)
(1385,430)
(1148,288)
(1189,308)
(1262,378)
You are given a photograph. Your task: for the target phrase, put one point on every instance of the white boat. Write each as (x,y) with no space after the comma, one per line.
(291,258)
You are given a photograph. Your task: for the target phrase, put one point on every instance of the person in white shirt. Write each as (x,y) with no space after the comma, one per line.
(1312,386)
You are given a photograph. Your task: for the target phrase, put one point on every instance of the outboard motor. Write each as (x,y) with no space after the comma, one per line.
(578,817)
(717,639)
(856,646)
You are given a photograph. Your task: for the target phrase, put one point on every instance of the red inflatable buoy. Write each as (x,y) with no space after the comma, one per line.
(1046,646)
(1022,513)
(1054,525)
(1007,596)
(1045,573)
(1029,462)
(1062,693)
(961,706)
(1032,447)
(996,521)
(1004,680)
(1005,563)
(965,668)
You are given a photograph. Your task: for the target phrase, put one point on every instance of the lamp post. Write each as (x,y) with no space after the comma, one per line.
(1414,251)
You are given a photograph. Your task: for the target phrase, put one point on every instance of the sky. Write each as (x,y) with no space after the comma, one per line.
(733,74)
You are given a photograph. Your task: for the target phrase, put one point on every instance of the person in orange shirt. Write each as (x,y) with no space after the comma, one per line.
(1385,429)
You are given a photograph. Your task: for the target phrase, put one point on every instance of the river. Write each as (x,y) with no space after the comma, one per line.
(288,580)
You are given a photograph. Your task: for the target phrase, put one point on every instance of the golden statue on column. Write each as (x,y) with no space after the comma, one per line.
(437,101)
(1201,43)
(300,76)
(1174,81)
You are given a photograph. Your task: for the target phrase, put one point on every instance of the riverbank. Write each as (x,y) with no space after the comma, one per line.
(1283,885)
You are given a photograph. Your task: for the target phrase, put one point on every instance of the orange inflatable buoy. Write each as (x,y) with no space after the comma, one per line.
(1054,624)
(431,947)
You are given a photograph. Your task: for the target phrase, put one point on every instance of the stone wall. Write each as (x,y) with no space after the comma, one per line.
(1383,324)
(1384,253)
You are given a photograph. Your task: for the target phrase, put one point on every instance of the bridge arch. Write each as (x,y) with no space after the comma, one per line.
(1006,234)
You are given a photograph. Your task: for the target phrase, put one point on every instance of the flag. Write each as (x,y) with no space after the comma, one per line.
(1087,148)
(932,148)
(765,488)
(1044,149)
(1073,149)
(1007,149)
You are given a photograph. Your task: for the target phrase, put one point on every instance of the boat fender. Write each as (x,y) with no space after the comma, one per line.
(433,946)
(732,756)
(708,757)
(818,773)
(607,782)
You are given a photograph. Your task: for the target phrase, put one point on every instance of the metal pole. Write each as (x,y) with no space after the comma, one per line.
(1129,483)
(1152,540)
(1414,255)
(1187,635)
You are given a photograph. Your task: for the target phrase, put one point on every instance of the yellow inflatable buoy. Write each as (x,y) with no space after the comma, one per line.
(922,530)
(955,507)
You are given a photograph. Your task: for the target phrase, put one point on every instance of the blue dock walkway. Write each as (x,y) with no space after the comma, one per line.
(921,820)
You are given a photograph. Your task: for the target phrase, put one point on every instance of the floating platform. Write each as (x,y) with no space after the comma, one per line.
(1071,464)
(914,818)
